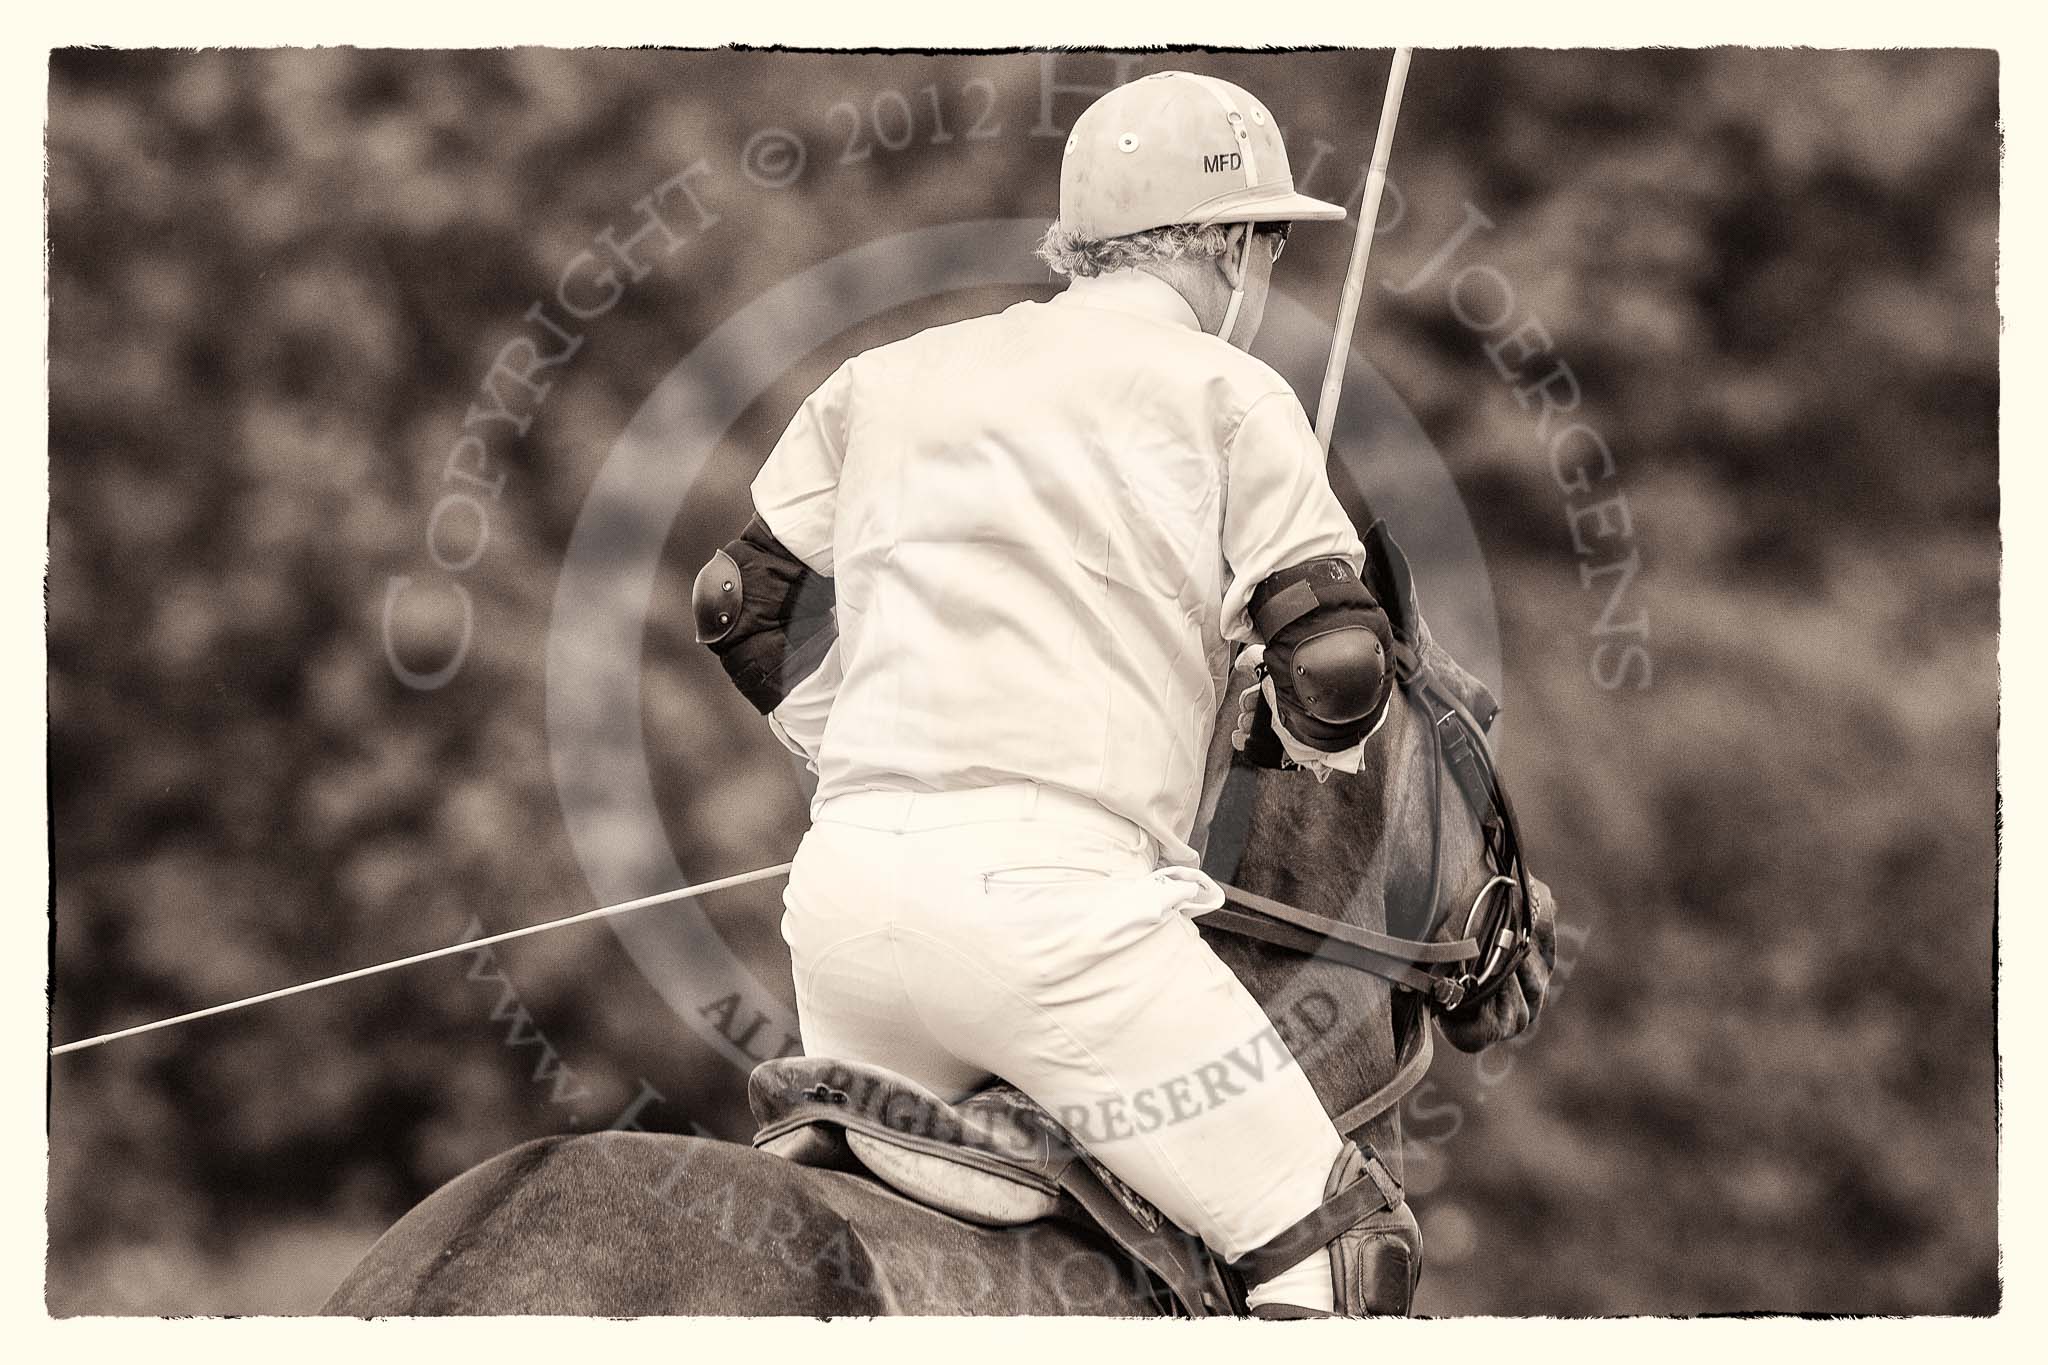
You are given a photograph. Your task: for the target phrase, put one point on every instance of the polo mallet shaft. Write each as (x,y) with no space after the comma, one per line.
(602,912)
(1361,250)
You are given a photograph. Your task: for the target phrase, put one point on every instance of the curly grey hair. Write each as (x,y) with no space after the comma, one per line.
(1068,254)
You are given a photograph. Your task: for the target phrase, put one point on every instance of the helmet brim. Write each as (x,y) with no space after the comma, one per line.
(1285,207)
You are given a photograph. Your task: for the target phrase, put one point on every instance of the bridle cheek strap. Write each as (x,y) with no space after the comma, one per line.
(1413,1052)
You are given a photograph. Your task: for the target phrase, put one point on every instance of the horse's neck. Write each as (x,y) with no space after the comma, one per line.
(1348,850)
(1321,848)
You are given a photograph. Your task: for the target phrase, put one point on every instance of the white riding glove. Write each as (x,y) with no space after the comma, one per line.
(1317,761)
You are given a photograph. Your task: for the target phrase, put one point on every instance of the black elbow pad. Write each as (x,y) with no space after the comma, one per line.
(765,615)
(715,598)
(1328,646)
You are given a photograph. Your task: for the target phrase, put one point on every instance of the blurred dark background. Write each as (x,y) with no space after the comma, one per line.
(278,279)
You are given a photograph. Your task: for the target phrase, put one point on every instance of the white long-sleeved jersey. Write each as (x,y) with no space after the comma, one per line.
(1043,526)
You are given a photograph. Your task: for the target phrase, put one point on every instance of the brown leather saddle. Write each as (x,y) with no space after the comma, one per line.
(995,1158)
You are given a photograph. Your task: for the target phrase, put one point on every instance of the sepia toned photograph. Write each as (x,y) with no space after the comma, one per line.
(1177,682)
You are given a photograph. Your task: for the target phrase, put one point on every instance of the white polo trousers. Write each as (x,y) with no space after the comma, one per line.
(1022,932)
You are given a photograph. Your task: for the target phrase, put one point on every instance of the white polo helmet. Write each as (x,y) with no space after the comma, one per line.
(1174,147)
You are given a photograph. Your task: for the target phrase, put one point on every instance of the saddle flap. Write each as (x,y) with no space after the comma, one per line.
(996,1130)
(996,1157)
(951,1186)
(814,1145)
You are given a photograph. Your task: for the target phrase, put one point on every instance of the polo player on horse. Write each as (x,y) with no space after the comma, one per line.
(990,592)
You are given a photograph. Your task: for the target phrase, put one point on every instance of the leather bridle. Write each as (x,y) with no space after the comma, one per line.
(1500,922)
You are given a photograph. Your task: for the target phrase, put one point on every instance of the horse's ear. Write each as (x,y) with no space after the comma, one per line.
(1387,576)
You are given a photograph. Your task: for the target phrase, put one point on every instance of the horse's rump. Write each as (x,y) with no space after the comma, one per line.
(629,1224)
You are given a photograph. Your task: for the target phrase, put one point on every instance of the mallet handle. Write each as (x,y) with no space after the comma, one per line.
(468,946)
(1361,250)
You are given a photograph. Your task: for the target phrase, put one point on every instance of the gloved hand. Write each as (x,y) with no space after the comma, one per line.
(1262,737)
(1514,1007)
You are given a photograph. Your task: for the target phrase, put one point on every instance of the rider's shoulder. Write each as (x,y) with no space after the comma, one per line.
(1239,380)
(945,341)
(1245,373)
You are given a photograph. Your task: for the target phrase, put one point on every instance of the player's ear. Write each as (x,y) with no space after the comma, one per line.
(1232,261)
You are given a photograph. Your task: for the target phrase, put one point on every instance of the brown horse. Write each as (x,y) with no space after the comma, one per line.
(622,1223)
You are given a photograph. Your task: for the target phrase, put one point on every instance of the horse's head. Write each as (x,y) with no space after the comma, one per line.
(1420,799)
(1393,849)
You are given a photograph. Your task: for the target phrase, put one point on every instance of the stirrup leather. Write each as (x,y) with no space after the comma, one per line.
(1375,1244)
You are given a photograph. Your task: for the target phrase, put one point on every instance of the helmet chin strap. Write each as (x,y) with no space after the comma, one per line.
(1249,163)
(1244,268)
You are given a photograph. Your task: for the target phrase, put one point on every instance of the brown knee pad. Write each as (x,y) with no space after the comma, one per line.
(1375,1243)
(1376,1265)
